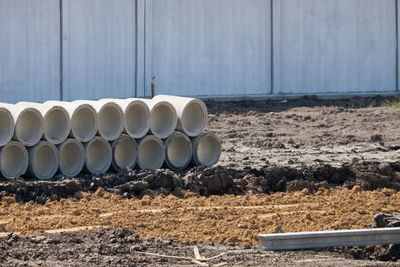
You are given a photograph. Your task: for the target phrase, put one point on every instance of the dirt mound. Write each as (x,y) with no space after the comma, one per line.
(212,181)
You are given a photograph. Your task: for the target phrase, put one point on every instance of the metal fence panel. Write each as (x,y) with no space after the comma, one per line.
(209,47)
(337,46)
(99,49)
(29,50)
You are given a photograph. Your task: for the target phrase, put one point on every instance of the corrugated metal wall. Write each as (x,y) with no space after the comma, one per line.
(208,48)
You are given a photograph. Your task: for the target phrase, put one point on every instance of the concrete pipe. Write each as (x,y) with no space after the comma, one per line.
(98,155)
(28,123)
(178,151)
(56,121)
(43,160)
(83,119)
(7,126)
(151,153)
(71,157)
(13,160)
(163,117)
(124,153)
(137,116)
(192,113)
(110,118)
(206,149)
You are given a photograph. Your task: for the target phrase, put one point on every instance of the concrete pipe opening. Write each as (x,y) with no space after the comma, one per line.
(84,123)
(151,153)
(71,157)
(163,119)
(98,155)
(110,121)
(137,119)
(57,125)
(29,126)
(6,126)
(178,149)
(43,160)
(207,149)
(14,160)
(194,117)
(124,153)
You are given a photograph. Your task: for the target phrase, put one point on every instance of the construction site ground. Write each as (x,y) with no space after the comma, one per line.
(286,166)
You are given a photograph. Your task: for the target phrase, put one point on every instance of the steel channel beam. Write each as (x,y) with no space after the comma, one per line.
(323,239)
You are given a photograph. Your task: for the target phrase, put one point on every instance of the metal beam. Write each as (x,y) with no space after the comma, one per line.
(323,239)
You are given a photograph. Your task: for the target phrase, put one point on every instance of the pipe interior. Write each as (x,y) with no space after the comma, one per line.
(151,154)
(193,117)
(83,123)
(208,150)
(56,124)
(14,160)
(71,158)
(110,122)
(28,126)
(6,125)
(162,120)
(45,161)
(125,153)
(98,155)
(136,119)
(179,152)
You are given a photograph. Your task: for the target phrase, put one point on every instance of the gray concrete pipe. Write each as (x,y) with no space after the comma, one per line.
(110,118)
(13,160)
(178,151)
(71,157)
(124,153)
(137,116)
(191,112)
(56,121)
(43,160)
(151,153)
(28,123)
(98,155)
(83,119)
(163,117)
(206,149)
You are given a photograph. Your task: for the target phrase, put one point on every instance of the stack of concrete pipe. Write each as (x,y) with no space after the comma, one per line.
(42,139)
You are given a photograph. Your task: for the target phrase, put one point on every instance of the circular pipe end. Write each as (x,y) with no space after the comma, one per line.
(137,119)
(194,117)
(6,126)
(163,119)
(110,121)
(178,151)
(56,124)
(124,153)
(98,155)
(151,153)
(206,149)
(71,157)
(14,160)
(43,160)
(84,123)
(29,127)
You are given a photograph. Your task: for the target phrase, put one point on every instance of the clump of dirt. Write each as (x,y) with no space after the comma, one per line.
(212,181)
(215,219)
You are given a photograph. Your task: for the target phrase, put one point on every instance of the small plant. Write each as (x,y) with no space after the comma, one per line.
(393,102)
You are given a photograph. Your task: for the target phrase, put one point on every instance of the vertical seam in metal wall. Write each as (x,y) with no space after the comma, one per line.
(145,47)
(136,45)
(272,47)
(397,44)
(61,50)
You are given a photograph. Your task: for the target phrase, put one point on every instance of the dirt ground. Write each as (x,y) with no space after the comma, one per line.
(296,165)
